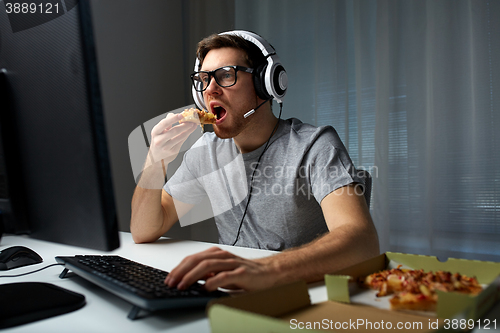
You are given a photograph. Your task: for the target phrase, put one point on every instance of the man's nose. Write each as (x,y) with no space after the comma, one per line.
(213,87)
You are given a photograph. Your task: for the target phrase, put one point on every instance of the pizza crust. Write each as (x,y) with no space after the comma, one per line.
(415,302)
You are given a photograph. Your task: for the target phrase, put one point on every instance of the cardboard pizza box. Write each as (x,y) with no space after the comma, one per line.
(341,286)
(288,308)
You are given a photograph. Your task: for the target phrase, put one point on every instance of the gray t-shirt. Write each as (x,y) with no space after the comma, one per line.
(301,165)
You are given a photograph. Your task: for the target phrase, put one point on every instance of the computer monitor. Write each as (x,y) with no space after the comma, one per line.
(56,178)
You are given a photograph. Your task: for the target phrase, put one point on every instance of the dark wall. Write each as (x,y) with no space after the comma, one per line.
(146,51)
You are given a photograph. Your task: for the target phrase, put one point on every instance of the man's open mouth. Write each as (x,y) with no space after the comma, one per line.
(219,112)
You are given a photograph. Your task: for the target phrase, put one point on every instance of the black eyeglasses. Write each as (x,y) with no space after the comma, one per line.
(224,76)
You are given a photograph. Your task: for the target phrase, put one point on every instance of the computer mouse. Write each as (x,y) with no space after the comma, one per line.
(18,256)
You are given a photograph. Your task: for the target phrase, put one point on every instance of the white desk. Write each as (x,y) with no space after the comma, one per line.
(105,312)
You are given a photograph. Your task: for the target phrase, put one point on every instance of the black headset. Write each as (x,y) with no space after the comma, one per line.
(270,79)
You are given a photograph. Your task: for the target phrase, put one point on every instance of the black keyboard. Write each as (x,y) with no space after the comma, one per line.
(143,286)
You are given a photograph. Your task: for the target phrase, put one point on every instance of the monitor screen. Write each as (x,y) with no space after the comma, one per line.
(56,171)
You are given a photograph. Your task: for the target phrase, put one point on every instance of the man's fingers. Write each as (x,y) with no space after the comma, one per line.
(167,134)
(206,267)
(190,262)
(227,280)
(168,144)
(166,123)
(173,143)
(182,136)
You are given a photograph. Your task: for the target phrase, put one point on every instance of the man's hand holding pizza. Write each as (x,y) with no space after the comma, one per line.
(167,138)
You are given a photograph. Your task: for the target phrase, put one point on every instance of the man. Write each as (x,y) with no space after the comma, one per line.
(301,195)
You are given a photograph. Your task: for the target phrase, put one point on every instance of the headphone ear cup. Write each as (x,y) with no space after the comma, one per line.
(279,81)
(259,82)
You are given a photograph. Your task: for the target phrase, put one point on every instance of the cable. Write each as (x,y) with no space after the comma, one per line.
(253,174)
(38,270)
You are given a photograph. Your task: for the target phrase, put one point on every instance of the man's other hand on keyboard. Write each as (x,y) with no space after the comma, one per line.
(222,269)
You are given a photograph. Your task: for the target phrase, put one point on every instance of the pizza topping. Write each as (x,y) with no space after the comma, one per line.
(411,287)
(424,290)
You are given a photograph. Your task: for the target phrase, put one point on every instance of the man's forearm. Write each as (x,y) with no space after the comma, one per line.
(336,250)
(148,216)
(146,223)
(153,213)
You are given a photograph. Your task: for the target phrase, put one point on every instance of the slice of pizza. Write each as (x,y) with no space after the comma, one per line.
(201,117)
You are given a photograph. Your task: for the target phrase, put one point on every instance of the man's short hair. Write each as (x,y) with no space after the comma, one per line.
(254,56)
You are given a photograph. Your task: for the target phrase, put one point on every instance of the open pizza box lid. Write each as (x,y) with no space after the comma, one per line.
(288,308)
